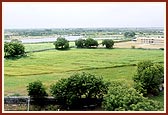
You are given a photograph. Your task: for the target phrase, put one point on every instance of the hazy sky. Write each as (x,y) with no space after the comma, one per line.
(72,15)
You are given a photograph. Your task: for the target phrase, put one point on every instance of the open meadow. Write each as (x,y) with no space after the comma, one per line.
(50,66)
(43,62)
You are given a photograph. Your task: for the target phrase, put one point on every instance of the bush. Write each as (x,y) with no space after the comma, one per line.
(12,49)
(120,97)
(36,90)
(79,90)
(147,105)
(89,42)
(133,47)
(161,48)
(123,98)
(149,77)
(129,34)
(108,43)
(61,43)
(80,43)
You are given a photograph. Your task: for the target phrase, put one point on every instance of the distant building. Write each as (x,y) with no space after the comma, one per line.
(151,40)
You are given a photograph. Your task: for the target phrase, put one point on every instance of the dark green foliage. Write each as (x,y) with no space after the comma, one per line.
(12,49)
(108,43)
(147,105)
(89,42)
(123,98)
(79,90)
(120,97)
(129,34)
(161,48)
(80,43)
(61,43)
(149,77)
(36,90)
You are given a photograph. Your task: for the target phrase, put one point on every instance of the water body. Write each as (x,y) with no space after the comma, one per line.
(40,40)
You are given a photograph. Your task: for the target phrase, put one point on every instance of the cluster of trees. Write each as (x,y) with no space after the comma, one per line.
(13,48)
(88,43)
(129,34)
(16,48)
(121,97)
(62,43)
(74,92)
(86,89)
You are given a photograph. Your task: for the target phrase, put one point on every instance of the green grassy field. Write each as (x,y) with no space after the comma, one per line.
(50,66)
(42,46)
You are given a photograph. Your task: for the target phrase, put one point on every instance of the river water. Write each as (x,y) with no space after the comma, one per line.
(39,40)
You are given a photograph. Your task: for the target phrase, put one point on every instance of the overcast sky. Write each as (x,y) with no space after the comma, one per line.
(82,15)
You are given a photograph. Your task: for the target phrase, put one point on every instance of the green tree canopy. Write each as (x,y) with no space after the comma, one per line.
(129,34)
(90,42)
(12,49)
(108,43)
(61,43)
(149,77)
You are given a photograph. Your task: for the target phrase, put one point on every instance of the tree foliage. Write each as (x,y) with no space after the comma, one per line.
(123,98)
(89,42)
(108,43)
(129,34)
(71,92)
(61,43)
(149,77)
(80,43)
(12,49)
(36,90)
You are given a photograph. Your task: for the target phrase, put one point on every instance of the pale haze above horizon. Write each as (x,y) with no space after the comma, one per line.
(82,15)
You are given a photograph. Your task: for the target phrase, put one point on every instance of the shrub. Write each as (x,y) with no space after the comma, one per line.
(79,90)
(36,90)
(123,98)
(133,47)
(161,48)
(108,43)
(89,42)
(61,43)
(120,97)
(80,43)
(147,105)
(12,49)
(149,77)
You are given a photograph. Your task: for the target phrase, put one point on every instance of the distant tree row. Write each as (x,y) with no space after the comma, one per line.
(62,43)
(88,43)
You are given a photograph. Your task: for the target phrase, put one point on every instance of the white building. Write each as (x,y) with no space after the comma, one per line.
(152,40)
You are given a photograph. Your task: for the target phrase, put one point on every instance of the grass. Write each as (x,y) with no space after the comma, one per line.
(50,66)
(42,46)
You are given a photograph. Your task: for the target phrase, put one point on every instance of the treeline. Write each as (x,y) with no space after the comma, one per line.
(62,43)
(83,31)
